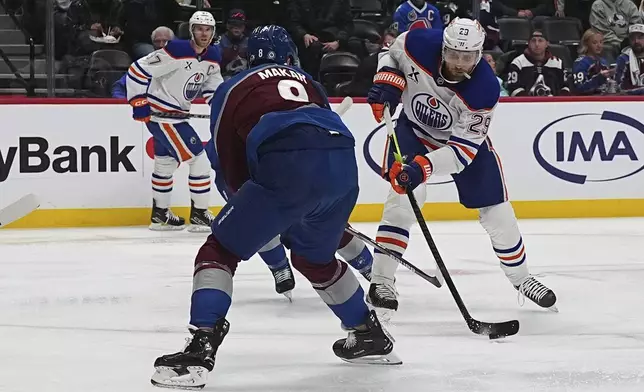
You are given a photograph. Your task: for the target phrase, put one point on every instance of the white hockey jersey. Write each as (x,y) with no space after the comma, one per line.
(451,119)
(172,77)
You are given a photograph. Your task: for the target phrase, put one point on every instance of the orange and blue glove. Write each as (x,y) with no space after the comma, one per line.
(388,86)
(140,109)
(409,176)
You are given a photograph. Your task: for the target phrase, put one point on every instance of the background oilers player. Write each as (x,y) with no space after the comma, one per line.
(291,162)
(413,14)
(448,100)
(167,81)
(351,249)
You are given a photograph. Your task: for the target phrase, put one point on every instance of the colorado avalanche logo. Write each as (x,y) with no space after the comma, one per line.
(430,111)
(192,87)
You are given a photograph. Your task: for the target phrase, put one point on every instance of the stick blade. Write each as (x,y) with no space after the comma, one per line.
(344,106)
(18,209)
(494,330)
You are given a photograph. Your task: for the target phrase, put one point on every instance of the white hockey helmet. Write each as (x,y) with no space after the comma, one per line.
(202,18)
(463,38)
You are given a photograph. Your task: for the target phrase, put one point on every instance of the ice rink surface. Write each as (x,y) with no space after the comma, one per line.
(88,310)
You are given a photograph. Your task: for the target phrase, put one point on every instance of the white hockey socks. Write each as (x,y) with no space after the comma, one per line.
(501,225)
(162,180)
(199,180)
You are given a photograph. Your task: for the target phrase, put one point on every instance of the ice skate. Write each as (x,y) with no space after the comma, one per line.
(284,281)
(368,344)
(536,292)
(383,298)
(188,369)
(163,219)
(200,219)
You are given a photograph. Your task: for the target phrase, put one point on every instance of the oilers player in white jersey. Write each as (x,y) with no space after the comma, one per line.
(167,81)
(448,98)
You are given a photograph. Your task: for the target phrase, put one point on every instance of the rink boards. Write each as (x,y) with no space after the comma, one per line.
(90,163)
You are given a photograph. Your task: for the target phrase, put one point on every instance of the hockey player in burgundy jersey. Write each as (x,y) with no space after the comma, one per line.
(291,162)
(351,249)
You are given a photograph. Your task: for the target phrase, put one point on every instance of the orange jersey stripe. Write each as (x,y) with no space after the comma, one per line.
(176,141)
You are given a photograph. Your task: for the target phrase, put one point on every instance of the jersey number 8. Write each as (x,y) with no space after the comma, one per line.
(292,90)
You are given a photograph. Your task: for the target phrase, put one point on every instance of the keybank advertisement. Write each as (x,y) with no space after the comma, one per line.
(94,156)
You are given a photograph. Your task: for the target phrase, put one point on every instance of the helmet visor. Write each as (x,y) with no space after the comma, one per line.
(462,58)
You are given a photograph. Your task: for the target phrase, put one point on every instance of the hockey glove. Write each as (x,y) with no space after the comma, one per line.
(141,109)
(403,176)
(388,85)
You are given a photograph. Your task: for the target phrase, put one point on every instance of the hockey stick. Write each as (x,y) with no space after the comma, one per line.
(344,106)
(493,330)
(18,209)
(431,279)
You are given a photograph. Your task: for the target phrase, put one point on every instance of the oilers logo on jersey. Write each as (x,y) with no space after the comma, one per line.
(192,88)
(431,111)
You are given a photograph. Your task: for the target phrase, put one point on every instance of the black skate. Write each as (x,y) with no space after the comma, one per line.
(384,299)
(536,292)
(200,219)
(368,344)
(284,281)
(163,219)
(189,368)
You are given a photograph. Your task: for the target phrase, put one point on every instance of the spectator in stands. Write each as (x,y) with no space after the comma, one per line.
(160,37)
(612,18)
(490,60)
(98,25)
(233,44)
(141,17)
(591,72)
(363,79)
(415,13)
(537,72)
(629,73)
(522,8)
(319,27)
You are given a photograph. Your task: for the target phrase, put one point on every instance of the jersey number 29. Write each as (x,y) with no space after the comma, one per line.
(479,124)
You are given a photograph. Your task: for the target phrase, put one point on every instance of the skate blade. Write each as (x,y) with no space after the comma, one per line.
(384,315)
(198,229)
(164,227)
(165,377)
(553,309)
(289,295)
(388,360)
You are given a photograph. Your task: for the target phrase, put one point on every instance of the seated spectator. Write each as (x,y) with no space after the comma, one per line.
(160,37)
(490,60)
(612,18)
(629,74)
(522,8)
(141,17)
(98,25)
(233,44)
(537,72)
(363,79)
(591,72)
(412,13)
(319,27)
